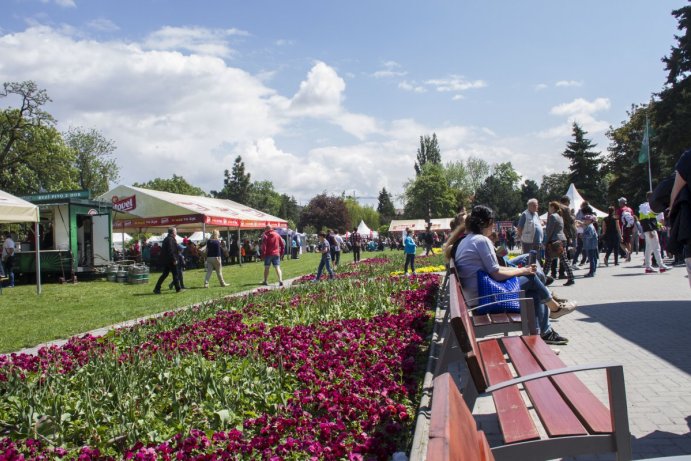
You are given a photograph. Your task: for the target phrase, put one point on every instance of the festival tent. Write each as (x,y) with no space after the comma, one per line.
(364,230)
(199,236)
(119,239)
(440,224)
(160,238)
(576,200)
(399,225)
(15,210)
(137,210)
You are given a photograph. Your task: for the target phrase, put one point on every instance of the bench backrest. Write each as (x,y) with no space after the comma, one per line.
(463,329)
(453,434)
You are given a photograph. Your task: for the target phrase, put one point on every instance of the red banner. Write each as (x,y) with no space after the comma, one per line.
(195,218)
(125,204)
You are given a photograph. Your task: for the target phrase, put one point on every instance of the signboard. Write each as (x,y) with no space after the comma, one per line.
(53,196)
(192,219)
(124,204)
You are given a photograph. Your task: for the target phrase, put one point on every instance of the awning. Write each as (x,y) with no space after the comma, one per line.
(440,224)
(13,209)
(416,225)
(138,208)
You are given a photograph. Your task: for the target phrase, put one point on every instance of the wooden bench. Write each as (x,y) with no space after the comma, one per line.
(574,420)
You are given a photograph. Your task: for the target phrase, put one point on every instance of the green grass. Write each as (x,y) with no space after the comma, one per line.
(65,310)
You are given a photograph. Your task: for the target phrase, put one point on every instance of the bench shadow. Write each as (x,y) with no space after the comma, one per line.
(660,327)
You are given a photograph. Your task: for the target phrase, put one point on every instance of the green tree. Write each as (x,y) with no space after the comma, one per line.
(529,189)
(585,166)
(501,192)
(176,185)
(237,184)
(428,152)
(325,212)
(262,196)
(672,112)
(478,170)
(359,213)
(95,168)
(33,156)
(429,195)
(289,209)
(385,207)
(553,186)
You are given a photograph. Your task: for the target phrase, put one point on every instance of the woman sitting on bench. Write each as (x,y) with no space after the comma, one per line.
(476,253)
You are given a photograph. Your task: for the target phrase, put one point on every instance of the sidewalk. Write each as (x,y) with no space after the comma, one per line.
(642,321)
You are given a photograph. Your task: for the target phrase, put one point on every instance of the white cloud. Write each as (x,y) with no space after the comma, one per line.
(455,83)
(391,69)
(581,106)
(568,83)
(198,40)
(284,42)
(541,86)
(103,25)
(412,86)
(321,94)
(62,3)
(580,111)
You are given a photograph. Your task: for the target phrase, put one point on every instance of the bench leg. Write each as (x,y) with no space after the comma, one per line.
(620,418)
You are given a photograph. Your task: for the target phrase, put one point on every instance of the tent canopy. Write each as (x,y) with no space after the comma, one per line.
(399,225)
(576,201)
(139,208)
(440,224)
(13,209)
(363,229)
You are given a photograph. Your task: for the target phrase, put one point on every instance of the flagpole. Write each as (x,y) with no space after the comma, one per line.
(650,173)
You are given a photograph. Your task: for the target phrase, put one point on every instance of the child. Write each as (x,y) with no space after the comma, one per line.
(409,248)
(590,243)
(324,248)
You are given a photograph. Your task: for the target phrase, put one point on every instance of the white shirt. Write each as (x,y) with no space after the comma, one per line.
(8,245)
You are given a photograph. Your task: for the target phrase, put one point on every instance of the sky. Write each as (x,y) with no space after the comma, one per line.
(325,96)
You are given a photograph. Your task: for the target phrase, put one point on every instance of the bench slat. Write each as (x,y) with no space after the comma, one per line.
(500,318)
(515,317)
(556,415)
(514,418)
(481,320)
(593,413)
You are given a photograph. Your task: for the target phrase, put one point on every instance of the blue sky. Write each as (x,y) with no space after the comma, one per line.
(333,96)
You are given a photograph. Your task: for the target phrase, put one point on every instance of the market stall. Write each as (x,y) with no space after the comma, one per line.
(16,210)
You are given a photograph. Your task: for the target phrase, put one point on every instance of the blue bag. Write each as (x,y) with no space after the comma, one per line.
(507,291)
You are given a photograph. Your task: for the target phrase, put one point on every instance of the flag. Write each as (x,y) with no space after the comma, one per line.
(644,153)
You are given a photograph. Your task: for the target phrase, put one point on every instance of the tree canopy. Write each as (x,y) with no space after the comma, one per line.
(176,185)
(500,192)
(428,195)
(584,170)
(236,183)
(385,207)
(94,165)
(325,212)
(428,152)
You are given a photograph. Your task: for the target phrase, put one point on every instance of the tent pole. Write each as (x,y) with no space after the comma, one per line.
(239,243)
(38,253)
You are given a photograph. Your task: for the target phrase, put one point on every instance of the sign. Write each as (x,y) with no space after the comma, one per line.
(125,204)
(52,196)
(159,222)
(92,212)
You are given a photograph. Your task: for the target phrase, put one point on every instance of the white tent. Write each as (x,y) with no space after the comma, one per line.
(137,209)
(440,224)
(199,236)
(15,210)
(366,231)
(120,238)
(399,225)
(576,200)
(160,238)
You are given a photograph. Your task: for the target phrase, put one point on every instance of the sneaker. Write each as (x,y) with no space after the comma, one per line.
(206,285)
(664,269)
(180,290)
(549,280)
(650,270)
(264,283)
(226,285)
(280,284)
(553,338)
(157,292)
(589,275)
(564,308)
(569,282)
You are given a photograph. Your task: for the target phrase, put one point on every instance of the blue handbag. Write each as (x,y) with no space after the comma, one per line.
(506,291)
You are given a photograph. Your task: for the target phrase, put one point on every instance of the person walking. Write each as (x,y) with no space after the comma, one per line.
(649,223)
(339,248)
(409,248)
(529,229)
(168,260)
(590,243)
(627,223)
(355,243)
(555,241)
(612,235)
(272,247)
(324,248)
(213,259)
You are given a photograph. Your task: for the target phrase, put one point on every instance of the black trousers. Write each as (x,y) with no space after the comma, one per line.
(356,254)
(169,268)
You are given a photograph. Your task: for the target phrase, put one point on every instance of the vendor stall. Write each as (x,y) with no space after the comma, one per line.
(16,210)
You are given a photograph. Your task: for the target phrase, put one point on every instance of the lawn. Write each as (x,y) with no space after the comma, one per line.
(65,310)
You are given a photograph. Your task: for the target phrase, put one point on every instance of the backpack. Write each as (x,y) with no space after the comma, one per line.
(627,219)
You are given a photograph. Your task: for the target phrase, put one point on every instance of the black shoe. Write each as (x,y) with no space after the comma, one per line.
(569,282)
(280,284)
(549,280)
(157,291)
(553,338)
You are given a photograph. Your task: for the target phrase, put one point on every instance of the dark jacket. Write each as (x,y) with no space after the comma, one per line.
(169,250)
(680,217)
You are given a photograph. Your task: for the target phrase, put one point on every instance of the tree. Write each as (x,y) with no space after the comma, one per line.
(553,186)
(289,209)
(529,189)
(33,156)
(585,166)
(176,185)
(324,211)
(237,184)
(501,193)
(672,113)
(428,152)
(478,170)
(94,165)
(262,196)
(359,213)
(385,207)
(428,195)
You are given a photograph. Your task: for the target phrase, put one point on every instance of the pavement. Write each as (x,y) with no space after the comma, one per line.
(642,321)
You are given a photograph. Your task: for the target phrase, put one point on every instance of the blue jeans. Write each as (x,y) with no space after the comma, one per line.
(592,259)
(409,260)
(325,262)
(534,288)
(9,269)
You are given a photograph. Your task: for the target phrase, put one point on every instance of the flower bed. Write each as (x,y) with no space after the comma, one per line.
(323,371)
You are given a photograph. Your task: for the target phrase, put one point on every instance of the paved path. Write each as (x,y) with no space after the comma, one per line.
(642,321)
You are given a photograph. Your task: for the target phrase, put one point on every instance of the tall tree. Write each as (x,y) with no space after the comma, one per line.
(429,195)
(500,192)
(94,165)
(553,186)
(359,213)
(33,156)
(428,152)
(289,209)
(584,170)
(478,170)
(175,185)
(324,211)
(385,207)
(237,184)
(262,196)
(529,189)
(672,113)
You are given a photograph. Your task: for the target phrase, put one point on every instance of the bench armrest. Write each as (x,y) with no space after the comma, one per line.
(548,373)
